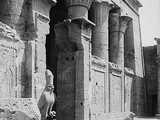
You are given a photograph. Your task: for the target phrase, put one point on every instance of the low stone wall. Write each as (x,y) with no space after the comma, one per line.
(19,109)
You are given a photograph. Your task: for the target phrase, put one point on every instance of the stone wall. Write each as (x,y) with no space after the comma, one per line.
(11,65)
(151,81)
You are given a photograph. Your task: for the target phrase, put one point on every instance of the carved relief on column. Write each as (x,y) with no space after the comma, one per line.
(78,8)
(100,32)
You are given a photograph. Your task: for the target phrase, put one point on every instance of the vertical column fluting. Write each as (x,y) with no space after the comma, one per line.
(158,74)
(78,8)
(123,26)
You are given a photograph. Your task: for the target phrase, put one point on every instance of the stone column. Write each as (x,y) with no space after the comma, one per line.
(123,26)
(73,68)
(100,10)
(114,34)
(78,8)
(100,32)
(158,74)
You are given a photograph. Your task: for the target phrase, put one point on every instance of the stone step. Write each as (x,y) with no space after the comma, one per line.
(146,118)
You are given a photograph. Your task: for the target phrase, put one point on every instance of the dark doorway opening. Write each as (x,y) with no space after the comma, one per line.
(57,14)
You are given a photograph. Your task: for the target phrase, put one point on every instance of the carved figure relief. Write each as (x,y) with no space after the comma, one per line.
(97,94)
(115,93)
(66,83)
(8,73)
(128,84)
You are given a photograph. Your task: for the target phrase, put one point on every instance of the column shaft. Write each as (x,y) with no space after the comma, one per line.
(100,40)
(114,35)
(123,26)
(100,32)
(73,69)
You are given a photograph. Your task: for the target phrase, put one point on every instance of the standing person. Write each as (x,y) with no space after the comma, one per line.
(47,98)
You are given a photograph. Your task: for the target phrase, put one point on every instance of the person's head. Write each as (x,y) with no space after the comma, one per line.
(49,79)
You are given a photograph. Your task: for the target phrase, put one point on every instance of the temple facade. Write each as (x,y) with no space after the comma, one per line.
(93,48)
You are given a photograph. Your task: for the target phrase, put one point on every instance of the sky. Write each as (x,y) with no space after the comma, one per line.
(150,21)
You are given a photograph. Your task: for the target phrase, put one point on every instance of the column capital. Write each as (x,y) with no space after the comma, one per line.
(71,30)
(85,3)
(124,20)
(114,20)
(78,8)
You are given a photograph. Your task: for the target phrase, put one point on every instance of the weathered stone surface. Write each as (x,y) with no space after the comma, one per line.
(85,88)
(11,52)
(73,69)
(98,94)
(128,92)
(19,109)
(115,92)
(11,12)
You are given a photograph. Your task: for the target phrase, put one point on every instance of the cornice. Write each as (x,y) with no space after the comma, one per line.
(98,62)
(134,4)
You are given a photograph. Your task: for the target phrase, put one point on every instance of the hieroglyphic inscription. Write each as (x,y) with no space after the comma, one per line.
(97,94)
(115,93)
(42,29)
(128,85)
(8,75)
(66,85)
